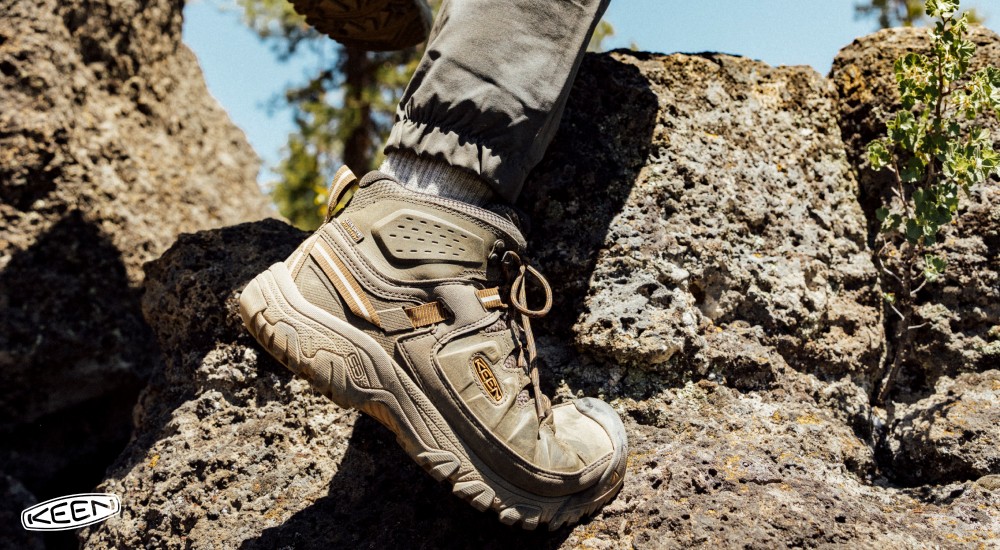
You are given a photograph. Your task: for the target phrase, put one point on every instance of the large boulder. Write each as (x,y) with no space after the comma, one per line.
(110,147)
(962,310)
(747,416)
(711,201)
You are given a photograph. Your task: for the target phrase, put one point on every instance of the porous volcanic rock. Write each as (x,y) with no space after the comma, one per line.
(953,434)
(964,306)
(711,195)
(16,498)
(110,146)
(739,444)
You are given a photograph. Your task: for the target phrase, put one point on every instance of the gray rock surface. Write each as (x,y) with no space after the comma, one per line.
(752,432)
(963,310)
(724,204)
(233,452)
(110,146)
(953,434)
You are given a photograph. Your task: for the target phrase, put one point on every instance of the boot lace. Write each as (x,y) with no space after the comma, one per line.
(516,272)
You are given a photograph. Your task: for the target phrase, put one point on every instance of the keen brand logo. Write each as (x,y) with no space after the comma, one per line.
(486,377)
(70,512)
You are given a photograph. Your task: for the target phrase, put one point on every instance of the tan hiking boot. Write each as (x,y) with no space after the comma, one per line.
(378,25)
(411,308)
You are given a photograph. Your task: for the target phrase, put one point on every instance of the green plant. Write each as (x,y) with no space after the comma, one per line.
(935,152)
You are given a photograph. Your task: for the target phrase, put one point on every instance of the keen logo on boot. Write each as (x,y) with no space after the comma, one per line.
(487,379)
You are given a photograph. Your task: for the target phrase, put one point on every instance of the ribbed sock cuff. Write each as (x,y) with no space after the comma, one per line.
(436,177)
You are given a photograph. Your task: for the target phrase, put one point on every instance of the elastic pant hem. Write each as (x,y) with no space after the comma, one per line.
(505,176)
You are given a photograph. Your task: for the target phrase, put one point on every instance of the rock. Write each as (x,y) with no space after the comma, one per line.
(16,498)
(717,207)
(111,146)
(755,435)
(964,306)
(233,452)
(730,470)
(953,434)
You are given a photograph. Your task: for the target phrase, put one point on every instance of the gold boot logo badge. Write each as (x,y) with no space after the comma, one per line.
(487,379)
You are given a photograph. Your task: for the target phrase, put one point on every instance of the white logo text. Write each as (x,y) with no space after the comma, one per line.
(70,512)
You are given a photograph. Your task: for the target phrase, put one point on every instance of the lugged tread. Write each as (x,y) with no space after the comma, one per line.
(476,493)
(527,517)
(440,465)
(510,516)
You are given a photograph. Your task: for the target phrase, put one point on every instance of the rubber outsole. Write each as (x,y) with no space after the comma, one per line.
(348,366)
(377,25)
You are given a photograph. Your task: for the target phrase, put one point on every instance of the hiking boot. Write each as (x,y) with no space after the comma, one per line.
(411,308)
(377,25)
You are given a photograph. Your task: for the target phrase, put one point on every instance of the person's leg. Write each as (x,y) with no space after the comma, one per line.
(488,94)
(409,302)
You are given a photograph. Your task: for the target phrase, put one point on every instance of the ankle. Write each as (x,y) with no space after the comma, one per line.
(437,177)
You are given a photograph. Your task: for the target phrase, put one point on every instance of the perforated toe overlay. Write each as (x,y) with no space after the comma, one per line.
(414,236)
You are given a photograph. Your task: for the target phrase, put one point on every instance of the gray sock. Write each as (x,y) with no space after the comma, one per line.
(436,177)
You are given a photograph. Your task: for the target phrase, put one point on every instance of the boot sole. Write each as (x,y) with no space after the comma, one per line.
(377,25)
(348,366)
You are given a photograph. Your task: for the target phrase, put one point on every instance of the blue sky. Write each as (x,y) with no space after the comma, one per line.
(244,74)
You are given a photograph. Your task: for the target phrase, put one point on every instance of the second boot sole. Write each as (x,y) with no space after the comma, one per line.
(379,25)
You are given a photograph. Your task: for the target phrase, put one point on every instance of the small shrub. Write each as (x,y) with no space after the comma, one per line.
(935,152)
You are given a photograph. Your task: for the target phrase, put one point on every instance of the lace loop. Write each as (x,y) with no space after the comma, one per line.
(517,293)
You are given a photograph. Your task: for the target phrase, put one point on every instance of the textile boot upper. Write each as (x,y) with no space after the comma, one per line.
(439,286)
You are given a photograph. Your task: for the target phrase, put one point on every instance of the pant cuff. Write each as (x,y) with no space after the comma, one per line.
(505,176)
